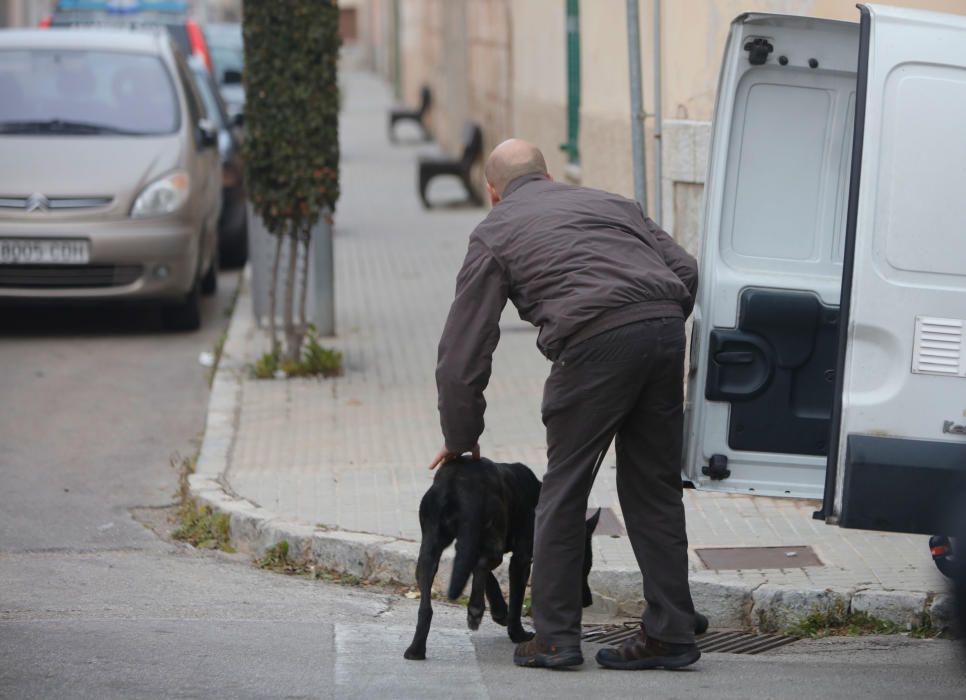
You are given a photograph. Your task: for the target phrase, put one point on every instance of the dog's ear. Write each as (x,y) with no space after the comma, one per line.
(592,522)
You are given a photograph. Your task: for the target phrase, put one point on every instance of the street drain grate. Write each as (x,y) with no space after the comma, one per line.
(720,641)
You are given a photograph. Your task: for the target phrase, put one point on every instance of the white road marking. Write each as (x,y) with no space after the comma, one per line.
(369,664)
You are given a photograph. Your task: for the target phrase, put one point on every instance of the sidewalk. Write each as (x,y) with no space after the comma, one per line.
(317,461)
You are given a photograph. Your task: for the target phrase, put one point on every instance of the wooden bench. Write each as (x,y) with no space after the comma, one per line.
(432,166)
(399,114)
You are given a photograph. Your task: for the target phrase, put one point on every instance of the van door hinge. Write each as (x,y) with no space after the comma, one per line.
(758,50)
(717,468)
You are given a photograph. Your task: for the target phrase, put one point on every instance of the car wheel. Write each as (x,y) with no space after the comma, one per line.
(209,283)
(234,251)
(184,315)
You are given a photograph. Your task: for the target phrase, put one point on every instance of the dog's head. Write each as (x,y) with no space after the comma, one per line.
(589,556)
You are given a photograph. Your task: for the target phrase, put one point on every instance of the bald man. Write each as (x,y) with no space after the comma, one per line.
(610,292)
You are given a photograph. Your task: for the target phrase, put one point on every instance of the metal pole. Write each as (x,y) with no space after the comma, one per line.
(324,271)
(637,103)
(658,118)
(396,52)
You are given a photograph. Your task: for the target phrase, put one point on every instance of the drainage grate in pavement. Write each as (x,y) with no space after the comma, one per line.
(757,557)
(721,641)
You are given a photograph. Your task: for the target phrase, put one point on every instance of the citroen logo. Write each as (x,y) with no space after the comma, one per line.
(37,202)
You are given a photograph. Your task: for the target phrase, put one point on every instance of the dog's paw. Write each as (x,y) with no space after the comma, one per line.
(414,654)
(521,635)
(500,618)
(474,616)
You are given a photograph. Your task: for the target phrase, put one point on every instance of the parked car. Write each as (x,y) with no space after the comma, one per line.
(111,185)
(228,63)
(171,15)
(233,223)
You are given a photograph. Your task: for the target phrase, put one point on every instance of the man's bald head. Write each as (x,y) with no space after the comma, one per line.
(512,159)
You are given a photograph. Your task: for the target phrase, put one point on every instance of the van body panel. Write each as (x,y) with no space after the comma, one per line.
(828,355)
(904,370)
(765,326)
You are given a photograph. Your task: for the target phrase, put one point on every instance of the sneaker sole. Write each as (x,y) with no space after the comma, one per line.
(666,662)
(563,660)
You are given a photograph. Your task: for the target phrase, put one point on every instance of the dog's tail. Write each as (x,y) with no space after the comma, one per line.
(468,539)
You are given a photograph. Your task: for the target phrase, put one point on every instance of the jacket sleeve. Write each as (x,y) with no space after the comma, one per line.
(466,348)
(678,260)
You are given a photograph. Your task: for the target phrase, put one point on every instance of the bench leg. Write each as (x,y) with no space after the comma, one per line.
(423,184)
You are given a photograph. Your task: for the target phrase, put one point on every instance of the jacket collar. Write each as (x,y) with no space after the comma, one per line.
(518,182)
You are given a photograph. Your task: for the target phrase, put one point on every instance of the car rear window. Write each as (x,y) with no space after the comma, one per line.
(74,91)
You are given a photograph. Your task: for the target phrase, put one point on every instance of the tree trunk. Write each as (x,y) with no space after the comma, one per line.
(292,344)
(303,291)
(273,293)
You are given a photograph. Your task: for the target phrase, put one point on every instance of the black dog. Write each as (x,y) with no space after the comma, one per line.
(488,509)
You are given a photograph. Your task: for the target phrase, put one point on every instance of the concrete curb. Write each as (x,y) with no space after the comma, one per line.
(765,607)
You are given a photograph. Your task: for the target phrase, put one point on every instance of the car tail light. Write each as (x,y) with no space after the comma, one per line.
(198,44)
(46,22)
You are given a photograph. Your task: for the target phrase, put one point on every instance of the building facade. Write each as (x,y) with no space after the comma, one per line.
(555,72)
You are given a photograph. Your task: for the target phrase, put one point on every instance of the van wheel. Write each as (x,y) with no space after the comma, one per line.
(209,283)
(184,315)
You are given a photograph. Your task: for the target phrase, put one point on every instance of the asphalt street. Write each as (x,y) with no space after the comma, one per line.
(96,401)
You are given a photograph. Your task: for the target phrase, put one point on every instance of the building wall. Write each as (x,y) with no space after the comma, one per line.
(503,63)
(24,13)
(539,97)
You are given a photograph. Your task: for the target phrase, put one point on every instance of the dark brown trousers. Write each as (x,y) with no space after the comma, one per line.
(628,383)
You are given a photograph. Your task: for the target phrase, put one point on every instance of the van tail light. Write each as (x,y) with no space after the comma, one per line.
(198,44)
(46,22)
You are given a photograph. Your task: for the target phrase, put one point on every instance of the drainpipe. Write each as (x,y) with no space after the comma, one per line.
(658,118)
(637,103)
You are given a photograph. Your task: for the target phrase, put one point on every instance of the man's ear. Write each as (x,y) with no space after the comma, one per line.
(494,195)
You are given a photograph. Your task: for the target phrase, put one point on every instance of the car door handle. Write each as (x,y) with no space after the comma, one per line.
(734,358)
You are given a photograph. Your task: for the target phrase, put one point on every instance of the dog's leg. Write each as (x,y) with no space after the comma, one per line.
(498,609)
(519,575)
(426,566)
(476,608)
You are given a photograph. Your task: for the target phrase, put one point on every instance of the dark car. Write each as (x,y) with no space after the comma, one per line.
(172,15)
(227,51)
(233,225)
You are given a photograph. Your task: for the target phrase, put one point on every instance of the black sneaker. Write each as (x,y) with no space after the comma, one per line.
(535,654)
(641,652)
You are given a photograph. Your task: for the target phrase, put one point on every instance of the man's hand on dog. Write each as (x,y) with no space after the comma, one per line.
(445,456)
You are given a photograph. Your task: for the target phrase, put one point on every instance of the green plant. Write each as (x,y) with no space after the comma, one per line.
(838,620)
(315,361)
(218,349)
(266,366)
(292,142)
(198,525)
(318,360)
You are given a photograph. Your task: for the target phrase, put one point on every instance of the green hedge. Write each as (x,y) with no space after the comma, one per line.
(291,111)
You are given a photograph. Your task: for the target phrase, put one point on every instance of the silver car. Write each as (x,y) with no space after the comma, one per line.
(111,180)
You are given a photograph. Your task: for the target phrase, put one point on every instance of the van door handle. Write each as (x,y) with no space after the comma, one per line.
(734,358)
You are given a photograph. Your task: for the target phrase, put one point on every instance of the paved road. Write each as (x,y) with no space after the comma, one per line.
(95,605)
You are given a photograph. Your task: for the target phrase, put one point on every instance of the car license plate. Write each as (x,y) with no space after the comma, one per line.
(44,251)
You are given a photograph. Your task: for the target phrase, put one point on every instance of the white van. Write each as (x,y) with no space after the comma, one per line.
(829,353)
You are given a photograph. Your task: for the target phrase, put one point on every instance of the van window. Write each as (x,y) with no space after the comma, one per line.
(784,203)
(85,92)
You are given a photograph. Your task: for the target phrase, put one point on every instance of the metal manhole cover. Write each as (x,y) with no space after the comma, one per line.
(757,557)
(721,641)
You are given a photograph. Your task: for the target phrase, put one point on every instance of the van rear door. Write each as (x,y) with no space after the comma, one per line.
(899,429)
(765,335)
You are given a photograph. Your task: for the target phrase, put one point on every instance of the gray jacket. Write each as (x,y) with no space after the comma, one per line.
(575,262)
